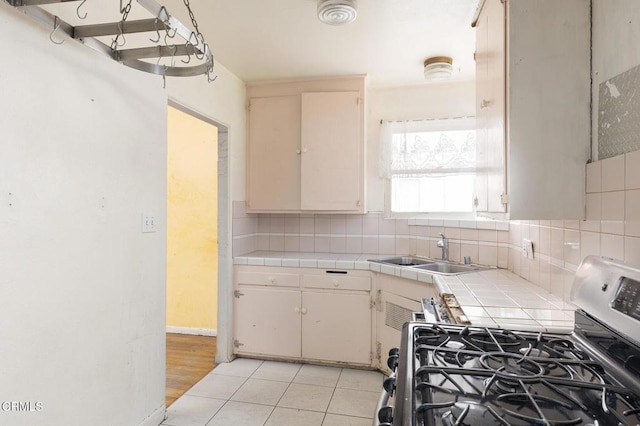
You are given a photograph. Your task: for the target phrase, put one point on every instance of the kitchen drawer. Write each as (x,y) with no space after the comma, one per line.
(336,281)
(269,279)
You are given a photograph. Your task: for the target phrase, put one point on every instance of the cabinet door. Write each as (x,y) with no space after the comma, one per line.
(273,154)
(496,131)
(336,327)
(490,108)
(332,157)
(267,322)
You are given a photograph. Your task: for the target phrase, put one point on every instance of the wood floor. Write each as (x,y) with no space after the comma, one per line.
(189,359)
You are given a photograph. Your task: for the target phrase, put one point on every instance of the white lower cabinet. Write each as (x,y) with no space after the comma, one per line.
(336,327)
(303,314)
(267,321)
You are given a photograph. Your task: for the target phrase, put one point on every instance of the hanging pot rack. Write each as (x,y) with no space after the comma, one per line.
(192,47)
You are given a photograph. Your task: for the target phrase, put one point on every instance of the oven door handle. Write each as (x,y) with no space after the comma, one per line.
(383,405)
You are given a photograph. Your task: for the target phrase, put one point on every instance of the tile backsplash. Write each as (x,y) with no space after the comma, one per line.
(484,241)
(611,228)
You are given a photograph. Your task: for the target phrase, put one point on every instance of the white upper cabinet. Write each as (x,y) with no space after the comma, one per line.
(331,152)
(306,146)
(533,108)
(273,158)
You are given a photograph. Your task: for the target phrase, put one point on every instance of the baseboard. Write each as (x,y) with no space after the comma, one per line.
(193,331)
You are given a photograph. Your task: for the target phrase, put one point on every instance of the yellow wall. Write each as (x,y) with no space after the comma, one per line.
(192,229)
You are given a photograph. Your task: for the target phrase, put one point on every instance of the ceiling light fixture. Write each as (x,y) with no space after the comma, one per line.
(337,12)
(438,68)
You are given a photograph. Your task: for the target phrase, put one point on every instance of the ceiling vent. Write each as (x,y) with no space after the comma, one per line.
(337,12)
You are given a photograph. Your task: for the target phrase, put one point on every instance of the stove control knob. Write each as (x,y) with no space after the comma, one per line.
(389,385)
(392,361)
(385,415)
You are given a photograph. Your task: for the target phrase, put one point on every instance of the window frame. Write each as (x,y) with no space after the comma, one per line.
(388,195)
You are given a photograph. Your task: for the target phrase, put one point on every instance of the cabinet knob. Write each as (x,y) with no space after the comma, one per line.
(336,283)
(304,311)
(486,103)
(298,151)
(296,310)
(272,280)
(304,151)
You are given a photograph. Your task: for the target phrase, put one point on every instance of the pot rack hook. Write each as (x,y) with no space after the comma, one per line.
(202,54)
(210,72)
(56,25)
(173,55)
(166,14)
(78,10)
(121,28)
(175,31)
(115,43)
(189,43)
(188,54)
(155,25)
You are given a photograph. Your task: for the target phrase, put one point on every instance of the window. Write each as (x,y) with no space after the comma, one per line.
(430,165)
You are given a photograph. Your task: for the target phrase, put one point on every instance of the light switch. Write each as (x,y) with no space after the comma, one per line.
(148,223)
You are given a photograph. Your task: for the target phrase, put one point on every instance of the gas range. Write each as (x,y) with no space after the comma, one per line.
(447,374)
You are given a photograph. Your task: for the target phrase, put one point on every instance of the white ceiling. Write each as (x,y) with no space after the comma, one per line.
(279,39)
(389,41)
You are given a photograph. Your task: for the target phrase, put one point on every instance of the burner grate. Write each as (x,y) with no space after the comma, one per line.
(497,377)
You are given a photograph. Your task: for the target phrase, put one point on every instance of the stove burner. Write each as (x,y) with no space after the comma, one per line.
(487,341)
(538,409)
(433,336)
(564,348)
(454,356)
(512,366)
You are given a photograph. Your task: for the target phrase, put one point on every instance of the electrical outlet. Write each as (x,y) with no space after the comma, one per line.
(527,248)
(148,223)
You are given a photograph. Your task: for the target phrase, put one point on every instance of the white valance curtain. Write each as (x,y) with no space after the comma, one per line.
(443,146)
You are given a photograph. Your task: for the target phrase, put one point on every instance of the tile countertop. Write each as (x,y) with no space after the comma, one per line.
(492,298)
(499,298)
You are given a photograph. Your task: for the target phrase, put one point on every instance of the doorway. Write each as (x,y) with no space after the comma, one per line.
(192,248)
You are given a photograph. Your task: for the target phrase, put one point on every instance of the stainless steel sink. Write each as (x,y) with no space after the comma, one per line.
(448,268)
(431,265)
(403,261)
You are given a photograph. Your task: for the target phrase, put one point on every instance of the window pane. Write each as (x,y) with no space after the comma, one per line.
(406,195)
(433,193)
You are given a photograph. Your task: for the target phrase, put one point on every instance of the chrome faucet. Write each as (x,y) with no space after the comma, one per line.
(444,245)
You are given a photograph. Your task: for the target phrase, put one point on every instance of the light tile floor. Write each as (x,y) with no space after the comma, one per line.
(248,392)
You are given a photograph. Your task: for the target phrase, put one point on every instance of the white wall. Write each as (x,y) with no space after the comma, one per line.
(434,100)
(82,290)
(616,34)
